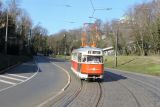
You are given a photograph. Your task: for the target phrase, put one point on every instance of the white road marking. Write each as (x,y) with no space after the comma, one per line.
(63,89)
(11,78)
(69,77)
(15,75)
(7,82)
(24,80)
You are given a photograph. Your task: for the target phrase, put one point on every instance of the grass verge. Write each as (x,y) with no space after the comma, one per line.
(140,64)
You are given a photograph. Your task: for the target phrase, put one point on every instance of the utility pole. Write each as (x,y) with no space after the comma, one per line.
(30,33)
(116,47)
(29,41)
(29,38)
(65,45)
(6,36)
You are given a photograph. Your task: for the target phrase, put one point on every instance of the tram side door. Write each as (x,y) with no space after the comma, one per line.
(79,62)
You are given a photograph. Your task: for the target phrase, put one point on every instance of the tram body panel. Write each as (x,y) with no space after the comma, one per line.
(87,63)
(74,65)
(95,69)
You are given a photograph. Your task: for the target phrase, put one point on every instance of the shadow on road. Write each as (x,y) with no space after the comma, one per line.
(45,59)
(28,67)
(110,77)
(56,60)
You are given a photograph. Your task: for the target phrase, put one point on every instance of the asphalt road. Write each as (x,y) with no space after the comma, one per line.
(29,88)
(119,89)
(26,86)
(123,89)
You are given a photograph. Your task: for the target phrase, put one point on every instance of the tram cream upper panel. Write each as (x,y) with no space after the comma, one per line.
(89,51)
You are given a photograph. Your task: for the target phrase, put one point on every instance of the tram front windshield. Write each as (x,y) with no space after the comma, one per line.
(93,59)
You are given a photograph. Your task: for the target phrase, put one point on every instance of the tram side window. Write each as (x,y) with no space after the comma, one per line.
(74,56)
(84,59)
(95,59)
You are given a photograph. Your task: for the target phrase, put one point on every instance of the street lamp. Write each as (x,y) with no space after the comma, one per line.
(6,34)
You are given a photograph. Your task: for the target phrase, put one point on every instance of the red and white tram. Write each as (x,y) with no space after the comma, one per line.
(87,62)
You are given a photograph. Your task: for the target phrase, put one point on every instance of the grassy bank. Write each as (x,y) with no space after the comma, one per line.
(141,64)
(6,61)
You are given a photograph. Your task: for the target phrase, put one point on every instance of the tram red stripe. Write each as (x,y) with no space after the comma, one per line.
(74,65)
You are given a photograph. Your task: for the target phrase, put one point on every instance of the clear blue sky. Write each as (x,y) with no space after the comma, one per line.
(55,16)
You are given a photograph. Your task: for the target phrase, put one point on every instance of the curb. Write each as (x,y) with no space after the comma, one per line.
(47,103)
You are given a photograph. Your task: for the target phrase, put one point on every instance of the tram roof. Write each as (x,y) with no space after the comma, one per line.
(86,49)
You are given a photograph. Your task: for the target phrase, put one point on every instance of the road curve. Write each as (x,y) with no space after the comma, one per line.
(49,81)
(119,89)
(124,89)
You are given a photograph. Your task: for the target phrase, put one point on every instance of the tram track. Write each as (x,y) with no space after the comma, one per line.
(78,92)
(131,89)
(89,96)
(100,95)
(78,89)
(75,95)
(131,93)
(67,97)
(115,90)
(151,92)
(70,93)
(138,80)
